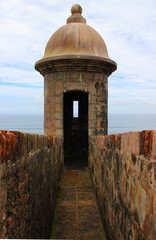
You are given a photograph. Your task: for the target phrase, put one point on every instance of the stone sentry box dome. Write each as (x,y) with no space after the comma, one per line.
(75,67)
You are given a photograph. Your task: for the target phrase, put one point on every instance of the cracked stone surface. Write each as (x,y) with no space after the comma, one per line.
(78,216)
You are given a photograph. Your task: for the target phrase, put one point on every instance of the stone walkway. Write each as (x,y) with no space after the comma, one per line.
(77,213)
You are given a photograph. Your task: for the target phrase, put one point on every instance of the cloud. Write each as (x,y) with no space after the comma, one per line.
(20,75)
(38,99)
(19,92)
(127,27)
(6,108)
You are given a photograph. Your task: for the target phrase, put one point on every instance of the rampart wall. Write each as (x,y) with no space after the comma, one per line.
(123,168)
(30,168)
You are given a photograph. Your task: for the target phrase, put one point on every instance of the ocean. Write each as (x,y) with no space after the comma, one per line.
(22,123)
(117,123)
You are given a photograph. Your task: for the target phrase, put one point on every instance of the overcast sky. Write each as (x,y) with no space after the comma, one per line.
(128,28)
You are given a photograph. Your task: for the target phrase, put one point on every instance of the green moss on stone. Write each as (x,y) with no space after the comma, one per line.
(58,199)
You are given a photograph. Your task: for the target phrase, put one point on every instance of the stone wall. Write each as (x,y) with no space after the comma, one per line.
(95,84)
(30,168)
(123,168)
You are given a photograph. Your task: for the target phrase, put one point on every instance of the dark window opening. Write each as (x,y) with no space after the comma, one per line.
(75,129)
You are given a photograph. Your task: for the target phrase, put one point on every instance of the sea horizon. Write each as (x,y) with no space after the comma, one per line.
(117,122)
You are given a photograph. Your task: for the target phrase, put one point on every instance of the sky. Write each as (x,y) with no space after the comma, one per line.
(127,27)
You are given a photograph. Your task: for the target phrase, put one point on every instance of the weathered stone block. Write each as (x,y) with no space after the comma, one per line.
(59,107)
(59,76)
(91,88)
(92,123)
(59,99)
(75,86)
(92,115)
(59,132)
(130,143)
(98,76)
(59,87)
(92,108)
(73,75)
(59,124)
(58,116)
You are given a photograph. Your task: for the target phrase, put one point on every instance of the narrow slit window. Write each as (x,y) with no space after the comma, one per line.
(75,109)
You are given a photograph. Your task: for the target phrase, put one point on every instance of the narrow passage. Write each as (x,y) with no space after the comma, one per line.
(77,213)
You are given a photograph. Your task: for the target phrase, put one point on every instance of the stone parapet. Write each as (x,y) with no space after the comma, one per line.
(30,168)
(123,168)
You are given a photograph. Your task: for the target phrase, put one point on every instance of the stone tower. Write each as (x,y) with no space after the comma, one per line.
(75,67)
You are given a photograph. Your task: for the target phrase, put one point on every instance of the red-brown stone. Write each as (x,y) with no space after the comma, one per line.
(146,138)
(50,141)
(7,144)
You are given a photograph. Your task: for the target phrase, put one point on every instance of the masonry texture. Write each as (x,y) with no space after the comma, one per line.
(123,168)
(30,168)
(55,84)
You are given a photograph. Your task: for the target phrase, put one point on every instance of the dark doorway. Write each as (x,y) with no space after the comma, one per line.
(75,129)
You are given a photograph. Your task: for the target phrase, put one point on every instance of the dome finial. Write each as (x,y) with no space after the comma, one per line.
(76,8)
(76,16)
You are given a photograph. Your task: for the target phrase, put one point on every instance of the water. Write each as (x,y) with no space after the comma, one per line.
(22,123)
(117,123)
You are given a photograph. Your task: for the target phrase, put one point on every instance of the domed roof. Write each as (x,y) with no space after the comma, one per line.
(76,38)
(76,47)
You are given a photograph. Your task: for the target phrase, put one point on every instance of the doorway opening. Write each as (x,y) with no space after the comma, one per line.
(75,129)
